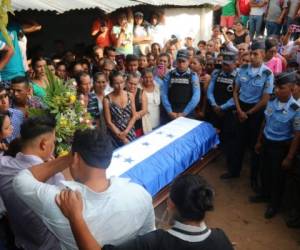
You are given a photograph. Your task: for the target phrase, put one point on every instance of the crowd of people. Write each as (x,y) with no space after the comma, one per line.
(132,80)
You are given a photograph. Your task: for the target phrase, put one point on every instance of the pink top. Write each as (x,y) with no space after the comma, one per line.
(275,65)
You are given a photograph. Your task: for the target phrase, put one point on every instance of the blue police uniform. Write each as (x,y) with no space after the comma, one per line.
(220,89)
(220,93)
(281,122)
(186,87)
(253,83)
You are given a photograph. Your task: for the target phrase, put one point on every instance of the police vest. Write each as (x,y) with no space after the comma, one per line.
(223,87)
(180,89)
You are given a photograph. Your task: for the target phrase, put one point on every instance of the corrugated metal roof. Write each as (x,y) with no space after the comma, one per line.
(183,3)
(66,5)
(106,5)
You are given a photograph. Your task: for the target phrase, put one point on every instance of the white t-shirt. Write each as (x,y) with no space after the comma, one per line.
(159,34)
(114,216)
(258,11)
(23,48)
(153,106)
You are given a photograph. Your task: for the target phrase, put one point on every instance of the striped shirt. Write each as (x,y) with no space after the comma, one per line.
(92,106)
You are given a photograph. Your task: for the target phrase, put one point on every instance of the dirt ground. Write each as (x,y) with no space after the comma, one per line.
(242,221)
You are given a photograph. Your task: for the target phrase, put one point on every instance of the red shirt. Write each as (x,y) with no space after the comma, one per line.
(103,39)
(244,6)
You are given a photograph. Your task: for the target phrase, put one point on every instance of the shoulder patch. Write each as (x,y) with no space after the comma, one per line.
(273,97)
(267,72)
(295,106)
(216,71)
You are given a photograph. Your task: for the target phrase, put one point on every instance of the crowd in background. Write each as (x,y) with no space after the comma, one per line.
(137,77)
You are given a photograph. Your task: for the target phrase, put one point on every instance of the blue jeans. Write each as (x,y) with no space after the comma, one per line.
(287,22)
(255,23)
(273,28)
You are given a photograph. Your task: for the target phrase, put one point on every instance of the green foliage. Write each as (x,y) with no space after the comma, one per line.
(5,7)
(70,115)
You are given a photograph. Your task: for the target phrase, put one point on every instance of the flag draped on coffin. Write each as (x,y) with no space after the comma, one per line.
(154,160)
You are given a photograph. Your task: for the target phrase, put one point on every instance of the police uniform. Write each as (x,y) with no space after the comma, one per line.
(220,90)
(253,84)
(181,90)
(220,93)
(281,121)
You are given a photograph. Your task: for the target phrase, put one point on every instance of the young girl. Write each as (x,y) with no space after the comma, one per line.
(6,131)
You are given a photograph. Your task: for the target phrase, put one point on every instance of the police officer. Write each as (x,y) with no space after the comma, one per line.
(222,106)
(252,90)
(293,180)
(180,89)
(278,141)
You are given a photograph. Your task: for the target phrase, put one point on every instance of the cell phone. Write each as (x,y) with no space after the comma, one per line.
(161,69)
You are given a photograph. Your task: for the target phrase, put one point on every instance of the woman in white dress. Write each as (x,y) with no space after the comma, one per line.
(153,96)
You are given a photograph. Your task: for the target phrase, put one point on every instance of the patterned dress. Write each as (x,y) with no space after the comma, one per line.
(120,118)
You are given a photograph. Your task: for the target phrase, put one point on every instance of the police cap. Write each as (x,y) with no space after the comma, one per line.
(229,57)
(182,54)
(258,44)
(285,78)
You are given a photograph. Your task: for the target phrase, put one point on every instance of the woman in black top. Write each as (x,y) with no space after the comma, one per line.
(241,34)
(190,198)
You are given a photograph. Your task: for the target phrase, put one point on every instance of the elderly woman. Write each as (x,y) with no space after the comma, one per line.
(189,200)
(140,100)
(119,111)
(152,91)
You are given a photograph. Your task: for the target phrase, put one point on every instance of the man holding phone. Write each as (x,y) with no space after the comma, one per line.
(181,89)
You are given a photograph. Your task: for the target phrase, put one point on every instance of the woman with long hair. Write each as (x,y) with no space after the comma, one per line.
(119,111)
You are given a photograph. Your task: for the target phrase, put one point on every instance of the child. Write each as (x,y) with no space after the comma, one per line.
(132,64)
